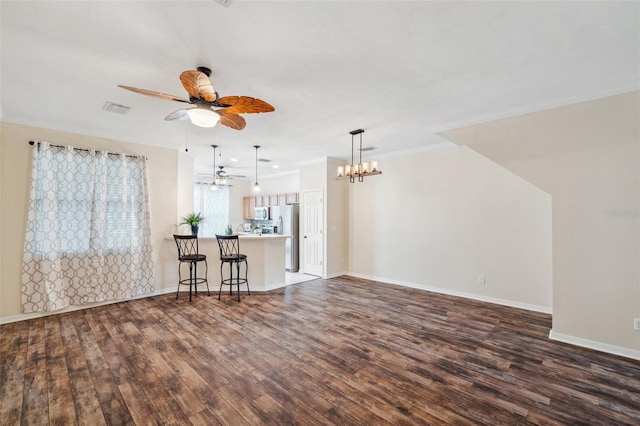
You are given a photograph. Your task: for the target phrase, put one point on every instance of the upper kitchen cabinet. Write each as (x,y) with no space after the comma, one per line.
(250,203)
(248,207)
(291,198)
(276,200)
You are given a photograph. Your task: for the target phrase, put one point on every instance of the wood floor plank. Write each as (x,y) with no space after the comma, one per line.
(35,407)
(14,360)
(343,351)
(145,397)
(85,398)
(106,380)
(61,406)
(139,407)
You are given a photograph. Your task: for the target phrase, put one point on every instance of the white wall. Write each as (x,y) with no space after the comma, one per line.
(337,221)
(313,176)
(279,184)
(15,160)
(239,190)
(439,219)
(184,191)
(587,157)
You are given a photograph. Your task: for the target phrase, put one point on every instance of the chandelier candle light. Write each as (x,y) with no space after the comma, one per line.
(359,170)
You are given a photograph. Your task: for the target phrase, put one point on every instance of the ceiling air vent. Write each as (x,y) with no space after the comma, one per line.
(264,160)
(369,148)
(116,108)
(225,3)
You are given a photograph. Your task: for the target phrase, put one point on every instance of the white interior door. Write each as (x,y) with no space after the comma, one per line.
(312,232)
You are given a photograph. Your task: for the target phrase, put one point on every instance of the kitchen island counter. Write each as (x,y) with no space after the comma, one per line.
(265,257)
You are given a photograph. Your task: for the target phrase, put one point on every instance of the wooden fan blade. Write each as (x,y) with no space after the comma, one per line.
(231,119)
(180,114)
(155,94)
(245,104)
(197,84)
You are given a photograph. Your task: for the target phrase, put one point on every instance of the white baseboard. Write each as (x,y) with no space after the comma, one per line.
(72,308)
(511,303)
(598,346)
(335,274)
(273,287)
(565,338)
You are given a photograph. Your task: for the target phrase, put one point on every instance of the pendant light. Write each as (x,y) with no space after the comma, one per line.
(256,187)
(359,170)
(214,185)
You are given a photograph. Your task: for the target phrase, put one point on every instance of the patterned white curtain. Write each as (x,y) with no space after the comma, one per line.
(214,206)
(88,230)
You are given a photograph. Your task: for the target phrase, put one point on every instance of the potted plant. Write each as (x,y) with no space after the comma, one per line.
(193,220)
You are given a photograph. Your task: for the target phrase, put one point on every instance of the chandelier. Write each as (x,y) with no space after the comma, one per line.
(359,170)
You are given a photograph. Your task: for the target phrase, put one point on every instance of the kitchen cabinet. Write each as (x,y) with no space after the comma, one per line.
(291,198)
(250,203)
(274,200)
(248,206)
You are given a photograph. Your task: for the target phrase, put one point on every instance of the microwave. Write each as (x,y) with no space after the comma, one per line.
(261,213)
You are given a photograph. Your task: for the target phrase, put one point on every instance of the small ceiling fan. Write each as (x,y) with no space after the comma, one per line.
(208,107)
(223,174)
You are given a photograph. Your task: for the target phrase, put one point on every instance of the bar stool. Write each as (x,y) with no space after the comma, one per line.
(230,253)
(188,253)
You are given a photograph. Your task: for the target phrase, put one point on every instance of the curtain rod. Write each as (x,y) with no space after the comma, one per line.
(86,150)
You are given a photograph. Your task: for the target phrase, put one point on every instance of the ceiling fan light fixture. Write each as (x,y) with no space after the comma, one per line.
(203,116)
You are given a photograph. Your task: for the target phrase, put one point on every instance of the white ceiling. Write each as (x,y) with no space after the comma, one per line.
(403,71)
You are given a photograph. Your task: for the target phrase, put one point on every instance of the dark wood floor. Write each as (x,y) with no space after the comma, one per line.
(338,351)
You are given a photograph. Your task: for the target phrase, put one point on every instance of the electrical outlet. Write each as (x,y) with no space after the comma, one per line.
(636,324)
(480,279)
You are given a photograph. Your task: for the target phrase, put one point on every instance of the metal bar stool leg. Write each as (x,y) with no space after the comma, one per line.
(246,273)
(238,278)
(190,278)
(195,277)
(206,274)
(179,279)
(221,280)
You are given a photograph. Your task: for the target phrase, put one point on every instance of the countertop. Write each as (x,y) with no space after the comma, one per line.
(247,236)
(263,236)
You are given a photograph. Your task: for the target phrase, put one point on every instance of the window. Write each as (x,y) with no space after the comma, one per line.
(86,195)
(214,206)
(88,236)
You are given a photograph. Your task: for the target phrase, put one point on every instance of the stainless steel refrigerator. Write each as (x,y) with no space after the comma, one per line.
(286,218)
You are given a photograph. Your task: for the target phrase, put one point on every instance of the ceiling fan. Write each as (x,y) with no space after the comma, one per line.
(208,107)
(221,178)
(223,174)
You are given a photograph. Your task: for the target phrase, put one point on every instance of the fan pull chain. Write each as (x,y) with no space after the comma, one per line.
(186,137)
